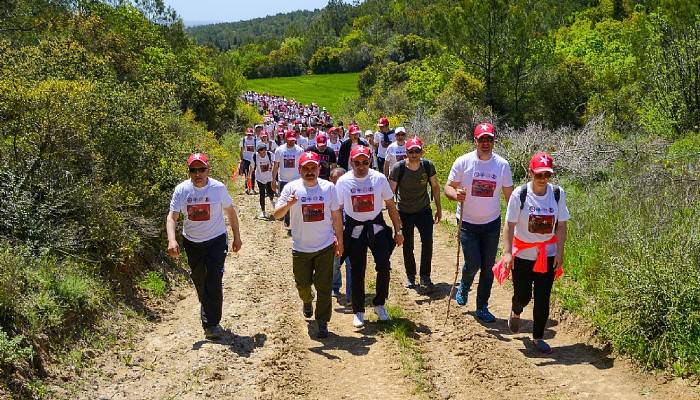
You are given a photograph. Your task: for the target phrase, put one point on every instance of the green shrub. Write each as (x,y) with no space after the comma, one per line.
(12,350)
(153,283)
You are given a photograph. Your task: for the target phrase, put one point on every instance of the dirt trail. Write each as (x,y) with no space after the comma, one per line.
(274,354)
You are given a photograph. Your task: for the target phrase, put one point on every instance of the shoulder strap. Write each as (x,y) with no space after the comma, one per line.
(269,157)
(402,171)
(523,196)
(557,193)
(426,168)
(255,159)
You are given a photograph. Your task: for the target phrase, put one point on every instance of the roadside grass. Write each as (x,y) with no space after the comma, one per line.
(330,90)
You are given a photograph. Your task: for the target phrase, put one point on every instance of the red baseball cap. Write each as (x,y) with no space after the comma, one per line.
(198,157)
(484,128)
(359,151)
(321,138)
(541,162)
(249,131)
(354,129)
(414,143)
(331,130)
(264,134)
(290,135)
(383,121)
(310,130)
(309,157)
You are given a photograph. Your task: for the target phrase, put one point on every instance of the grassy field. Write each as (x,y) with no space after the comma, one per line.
(325,90)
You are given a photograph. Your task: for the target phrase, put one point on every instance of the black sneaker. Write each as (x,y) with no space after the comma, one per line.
(214,332)
(322,330)
(514,322)
(427,284)
(308,310)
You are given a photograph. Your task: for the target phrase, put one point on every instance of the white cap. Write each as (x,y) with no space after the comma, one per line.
(400,129)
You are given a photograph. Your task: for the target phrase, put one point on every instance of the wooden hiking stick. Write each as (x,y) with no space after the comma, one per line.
(459,243)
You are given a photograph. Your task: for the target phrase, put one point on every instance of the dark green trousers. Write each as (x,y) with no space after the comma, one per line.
(315,268)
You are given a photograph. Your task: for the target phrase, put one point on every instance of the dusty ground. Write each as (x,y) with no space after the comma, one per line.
(272,352)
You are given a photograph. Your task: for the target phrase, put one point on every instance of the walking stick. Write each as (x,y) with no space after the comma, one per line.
(459,243)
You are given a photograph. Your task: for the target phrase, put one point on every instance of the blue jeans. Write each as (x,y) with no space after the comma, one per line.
(479,245)
(338,279)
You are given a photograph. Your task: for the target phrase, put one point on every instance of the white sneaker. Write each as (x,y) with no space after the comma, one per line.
(262,215)
(381,313)
(358,321)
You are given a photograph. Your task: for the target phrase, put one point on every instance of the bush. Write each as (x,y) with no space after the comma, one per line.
(153,283)
(12,351)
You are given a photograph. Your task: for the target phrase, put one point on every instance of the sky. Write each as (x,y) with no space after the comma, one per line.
(209,11)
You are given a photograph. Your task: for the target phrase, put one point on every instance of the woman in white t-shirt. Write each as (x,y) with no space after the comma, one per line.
(533,245)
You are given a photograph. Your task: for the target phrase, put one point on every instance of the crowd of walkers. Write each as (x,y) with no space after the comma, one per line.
(332,184)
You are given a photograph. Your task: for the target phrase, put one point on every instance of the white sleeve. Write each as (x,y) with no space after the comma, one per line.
(226,199)
(456,172)
(563,209)
(175,204)
(507,176)
(334,202)
(513,210)
(284,196)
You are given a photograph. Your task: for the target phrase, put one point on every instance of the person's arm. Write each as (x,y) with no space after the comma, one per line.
(275,169)
(387,160)
(508,232)
(395,220)
(507,191)
(560,233)
(284,204)
(394,185)
(454,191)
(337,216)
(435,188)
(170,225)
(233,222)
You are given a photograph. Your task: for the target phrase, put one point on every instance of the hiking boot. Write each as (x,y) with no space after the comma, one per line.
(514,322)
(358,321)
(322,330)
(484,315)
(308,310)
(427,284)
(381,313)
(214,332)
(542,346)
(461,296)
(410,282)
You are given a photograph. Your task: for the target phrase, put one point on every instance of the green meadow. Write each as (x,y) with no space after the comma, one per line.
(325,90)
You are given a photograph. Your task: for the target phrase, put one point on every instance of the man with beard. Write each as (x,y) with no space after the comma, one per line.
(326,155)
(317,236)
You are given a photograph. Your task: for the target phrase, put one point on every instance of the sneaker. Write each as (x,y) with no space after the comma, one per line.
(214,332)
(542,346)
(484,315)
(358,321)
(426,283)
(410,283)
(381,313)
(262,215)
(336,292)
(308,310)
(322,330)
(514,322)
(461,296)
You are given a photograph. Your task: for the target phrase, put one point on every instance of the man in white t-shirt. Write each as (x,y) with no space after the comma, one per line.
(262,165)
(247,149)
(476,180)
(362,192)
(382,139)
(396,151)
(317,236)
(203,201)
(286,164)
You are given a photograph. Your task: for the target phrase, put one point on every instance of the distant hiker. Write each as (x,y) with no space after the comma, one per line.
(317,236)
(369,138)
(203,201)
(382,139)
(535,235)
(262,165)
(270,145)
(351,143)
(410,180)
(334,141)
(362,192)
(326,155)
(336,173)
(396,151)
(476,179)
(286,164)
(247,149)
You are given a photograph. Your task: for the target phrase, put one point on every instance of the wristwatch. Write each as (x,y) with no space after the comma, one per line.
(397,233)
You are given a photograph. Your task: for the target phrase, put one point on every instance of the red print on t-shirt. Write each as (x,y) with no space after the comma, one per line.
(363,202)
(289,163)
(264,167)
(313,212)
(198,212)
(543,224)
(483,188)
(249,148)
(400,157)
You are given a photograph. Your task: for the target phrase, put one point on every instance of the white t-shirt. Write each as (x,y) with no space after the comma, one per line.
(202,209)
(538,218)
(363,198)
(303,142)
(310,217)
(248,144)
(379,138)
(483,181)
(289,162)
(271,146)
(395,153)
(335,147)
(263,167)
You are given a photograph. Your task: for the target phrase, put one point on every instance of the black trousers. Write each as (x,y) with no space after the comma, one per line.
(246,166)
(286,216)
(206,261)
(526,282)
(423,220)
(265,189)
(357,252)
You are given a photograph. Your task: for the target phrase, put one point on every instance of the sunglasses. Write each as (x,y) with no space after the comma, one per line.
(360,163)
(486,139)
(199,170)
(413,151)
(545,175)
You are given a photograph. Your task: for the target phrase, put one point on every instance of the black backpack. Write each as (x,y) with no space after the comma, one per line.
(402,170)
(523,195)
(255,159)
